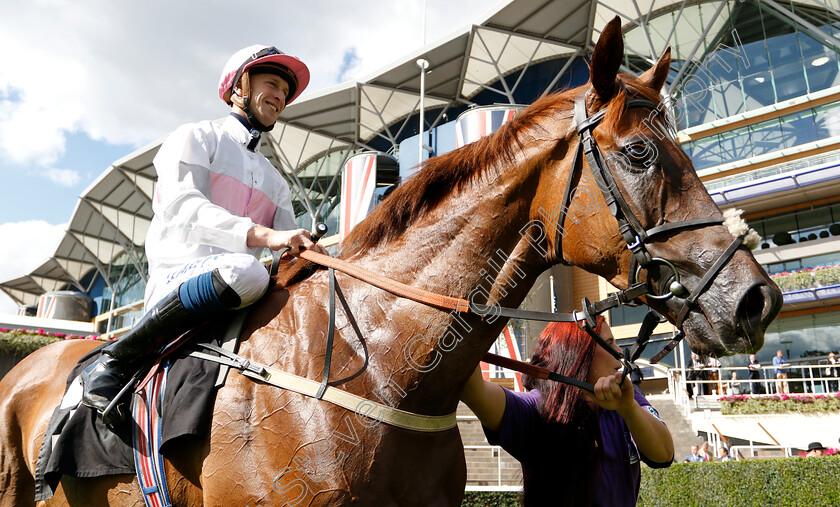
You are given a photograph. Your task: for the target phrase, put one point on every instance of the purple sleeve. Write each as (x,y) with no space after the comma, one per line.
(520,422)
(645,404)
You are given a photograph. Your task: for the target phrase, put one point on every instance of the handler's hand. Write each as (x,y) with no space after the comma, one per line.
(612,394)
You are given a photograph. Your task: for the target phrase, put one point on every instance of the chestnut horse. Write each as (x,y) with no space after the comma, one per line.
(463,227)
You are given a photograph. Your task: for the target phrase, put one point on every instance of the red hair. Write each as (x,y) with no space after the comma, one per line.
(566,349)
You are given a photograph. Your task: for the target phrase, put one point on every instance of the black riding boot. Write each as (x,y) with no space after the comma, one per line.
(165,322)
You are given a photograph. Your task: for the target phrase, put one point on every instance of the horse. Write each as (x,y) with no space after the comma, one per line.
(479,223)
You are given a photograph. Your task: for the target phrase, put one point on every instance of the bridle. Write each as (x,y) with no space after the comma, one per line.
(635,235)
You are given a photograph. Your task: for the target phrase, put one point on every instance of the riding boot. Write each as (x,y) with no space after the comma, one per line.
(194,302)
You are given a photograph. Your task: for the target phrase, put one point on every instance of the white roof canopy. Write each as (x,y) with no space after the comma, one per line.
(114,213)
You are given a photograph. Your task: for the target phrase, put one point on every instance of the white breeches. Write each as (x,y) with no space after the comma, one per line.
(244,273)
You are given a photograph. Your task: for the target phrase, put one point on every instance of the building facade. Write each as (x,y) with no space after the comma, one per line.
(754,92)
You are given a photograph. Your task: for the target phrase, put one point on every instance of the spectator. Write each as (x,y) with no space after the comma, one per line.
(754,375)
(734,384)
(723,454)
(815,449)
(781,365)
(694,457)
(695,373)
(713,374)
(704,452)
(832,372)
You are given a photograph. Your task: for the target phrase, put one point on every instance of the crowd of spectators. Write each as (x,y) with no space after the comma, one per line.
(704,376)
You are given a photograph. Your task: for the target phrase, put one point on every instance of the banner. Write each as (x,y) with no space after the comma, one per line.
(478,122)
(506,346)
(357,185)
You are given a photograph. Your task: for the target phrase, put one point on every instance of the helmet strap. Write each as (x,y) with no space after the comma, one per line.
(244,103)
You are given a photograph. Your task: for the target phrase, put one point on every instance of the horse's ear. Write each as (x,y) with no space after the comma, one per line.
(606,58)
(656,75)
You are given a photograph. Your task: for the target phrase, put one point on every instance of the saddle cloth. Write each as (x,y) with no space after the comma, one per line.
(77,444)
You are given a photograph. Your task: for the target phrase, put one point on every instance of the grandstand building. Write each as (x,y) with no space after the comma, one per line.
(755,95)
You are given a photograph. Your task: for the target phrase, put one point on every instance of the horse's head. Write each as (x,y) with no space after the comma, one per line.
(661,208)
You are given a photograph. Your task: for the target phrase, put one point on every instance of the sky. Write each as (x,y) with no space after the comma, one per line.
(83,84)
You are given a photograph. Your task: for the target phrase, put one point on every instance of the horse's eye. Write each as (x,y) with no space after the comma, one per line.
(638,151)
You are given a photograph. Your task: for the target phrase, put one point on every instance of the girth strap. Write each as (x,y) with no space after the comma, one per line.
(362,406)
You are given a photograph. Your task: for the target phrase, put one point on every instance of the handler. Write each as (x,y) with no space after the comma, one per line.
(574,448)
(217,203)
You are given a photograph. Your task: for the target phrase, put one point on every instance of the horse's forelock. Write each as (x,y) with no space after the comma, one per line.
(626,87)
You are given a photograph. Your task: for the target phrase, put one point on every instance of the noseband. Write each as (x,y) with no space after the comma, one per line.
(635,235)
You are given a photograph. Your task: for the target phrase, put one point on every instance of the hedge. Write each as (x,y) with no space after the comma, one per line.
(492,499)
(22,342)
(786,481)
(779,404)
(811,482)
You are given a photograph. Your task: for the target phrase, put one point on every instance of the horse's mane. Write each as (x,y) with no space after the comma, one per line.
(451,172)
(441,175)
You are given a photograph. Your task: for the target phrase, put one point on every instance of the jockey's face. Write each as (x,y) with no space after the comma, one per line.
(268,97)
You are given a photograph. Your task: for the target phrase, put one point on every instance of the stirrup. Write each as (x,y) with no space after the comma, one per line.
(115,414)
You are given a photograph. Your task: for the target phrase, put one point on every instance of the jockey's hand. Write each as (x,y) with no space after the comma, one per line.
(613,394)
(295,239)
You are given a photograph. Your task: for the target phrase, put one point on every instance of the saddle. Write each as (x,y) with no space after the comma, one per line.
(78,444)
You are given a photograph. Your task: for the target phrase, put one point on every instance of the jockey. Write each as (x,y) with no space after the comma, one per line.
(218,201)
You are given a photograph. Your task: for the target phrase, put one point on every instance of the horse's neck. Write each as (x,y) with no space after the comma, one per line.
(466,241)
(470,247)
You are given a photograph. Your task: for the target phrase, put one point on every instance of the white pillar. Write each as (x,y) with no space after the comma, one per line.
(423,65)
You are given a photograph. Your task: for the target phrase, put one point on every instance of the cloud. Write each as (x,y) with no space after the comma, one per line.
(63,177)
(23,247)
(130,72)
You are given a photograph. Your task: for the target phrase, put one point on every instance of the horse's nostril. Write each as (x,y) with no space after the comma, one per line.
(753,309)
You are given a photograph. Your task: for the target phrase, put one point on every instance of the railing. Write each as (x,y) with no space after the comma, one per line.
(108,318)
(802,378)
(735,450)
(810,378)
(497,451)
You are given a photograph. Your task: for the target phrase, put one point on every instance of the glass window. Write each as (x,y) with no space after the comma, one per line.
(812,222)
(736,145)
(778,229)
(707,153)
(822,70)
(789,80)
(798,128)
(830,259)
(696,96)
(756,55)
(782,47)
(624,315)
(723,64)
(728,99)
(827,120)
(758,89)
(766,137)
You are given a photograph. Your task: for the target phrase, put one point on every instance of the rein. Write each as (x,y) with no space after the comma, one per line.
(634,234)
